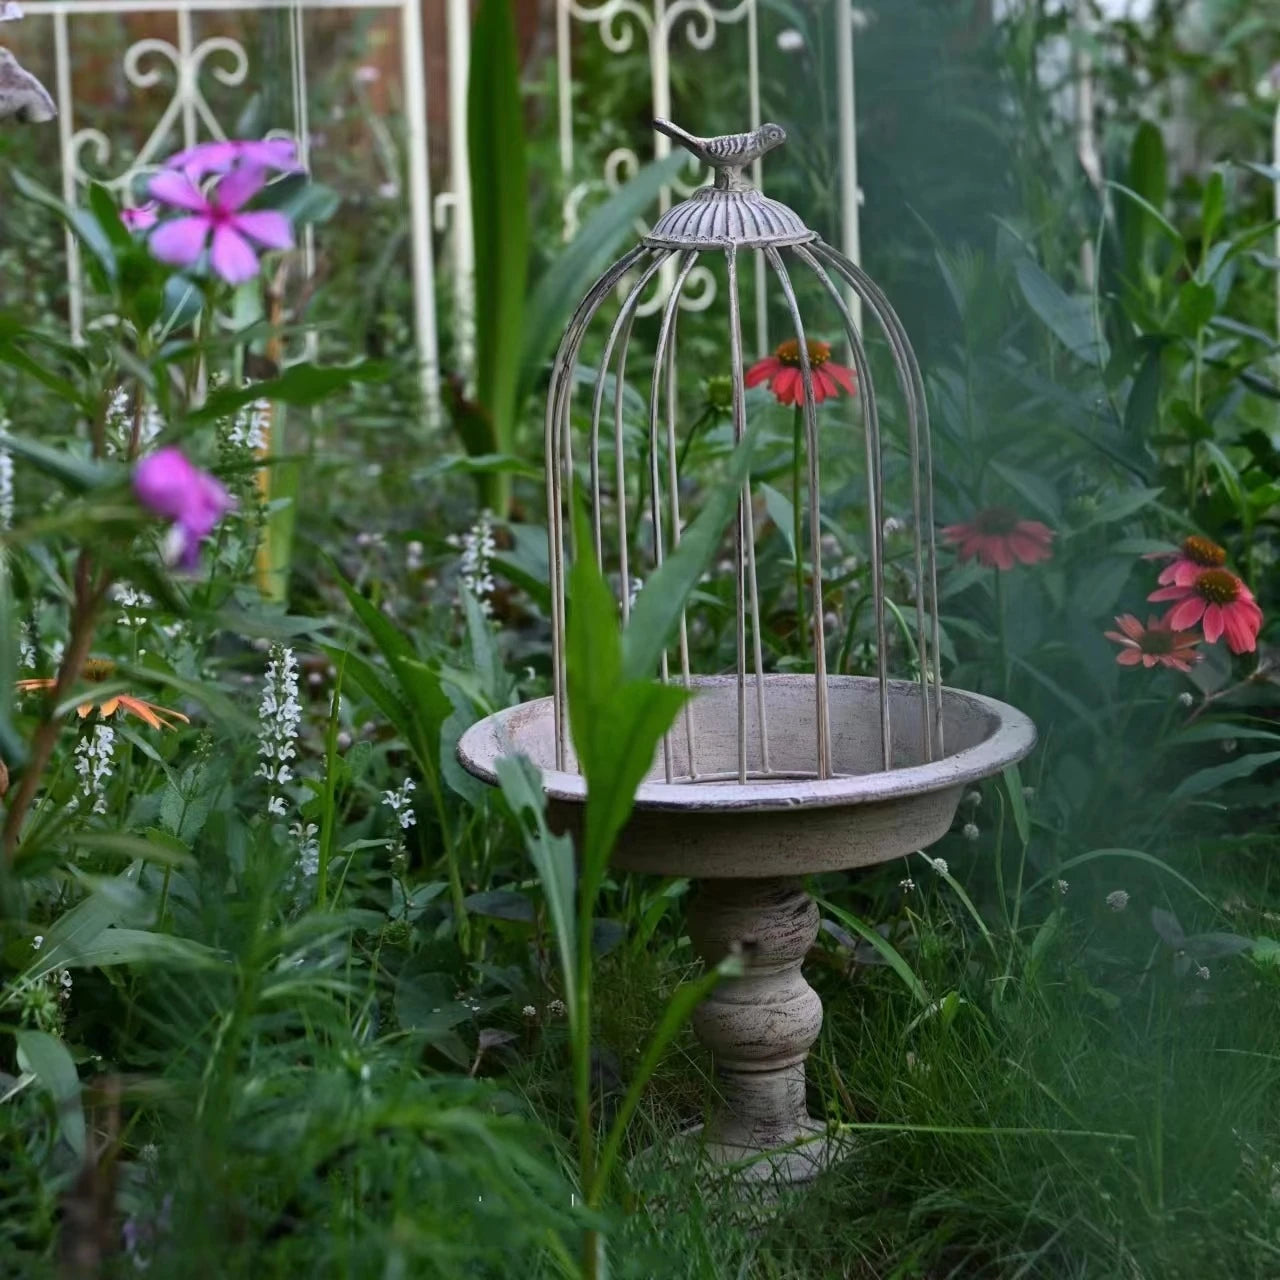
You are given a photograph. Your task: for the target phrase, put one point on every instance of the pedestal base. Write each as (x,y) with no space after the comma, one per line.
(759,1028)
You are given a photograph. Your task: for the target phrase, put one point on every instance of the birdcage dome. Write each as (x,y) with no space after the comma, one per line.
(754,739)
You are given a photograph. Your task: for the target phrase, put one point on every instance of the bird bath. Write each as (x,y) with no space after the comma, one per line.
(767,777)
(749,847)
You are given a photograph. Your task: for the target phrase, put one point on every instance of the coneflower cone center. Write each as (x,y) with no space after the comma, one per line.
(1204,552)
(789,352)
(996,520)
(1157,642)
(1218,586)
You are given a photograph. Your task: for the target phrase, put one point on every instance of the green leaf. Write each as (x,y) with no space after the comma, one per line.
(1195,307)
(1099,588)
(888,952)
(552,857)
(1212,206)
(1036,490)
(1017,802)
(49,1060)
(1206,780)
(1135,855)
(78,474)
(1120,506)
(782,513)
(1144,395)
(141,946)
(500,221)
(567,280)
(656,612)
(73,933)
(1070,318)
(303,384)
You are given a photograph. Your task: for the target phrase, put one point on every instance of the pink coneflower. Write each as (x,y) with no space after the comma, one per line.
(782,372)
(167,484)
(1000,538)
(278,154)
(1155,645)
(143,218)
(1222,602)
(1191,559)
(220,217)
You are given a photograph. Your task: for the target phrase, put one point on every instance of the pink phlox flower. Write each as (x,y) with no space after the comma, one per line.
(143,218)
(278,154)
(169,485)
(220,216)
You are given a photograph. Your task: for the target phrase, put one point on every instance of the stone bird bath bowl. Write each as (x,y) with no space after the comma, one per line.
(749,846)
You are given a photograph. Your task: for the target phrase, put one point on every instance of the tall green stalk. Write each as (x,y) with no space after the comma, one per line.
(797,527)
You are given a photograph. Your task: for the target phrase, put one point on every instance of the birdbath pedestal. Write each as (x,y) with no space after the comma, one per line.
(749,846)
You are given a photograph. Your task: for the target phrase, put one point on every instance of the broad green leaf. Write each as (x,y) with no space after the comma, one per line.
(74,932)
(500,222)
(1069,317)
(1195,307)
(49,1060)
(1143,404)
(141,946)
(1120,506)
(1213,205)
(303,384)
(1205,780)
(552,857)
(1036,490)
(656,612)
(78,474)
(782,513)
(1099,588)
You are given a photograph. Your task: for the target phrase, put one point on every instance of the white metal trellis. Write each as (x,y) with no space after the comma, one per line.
(224,59)
(658,23)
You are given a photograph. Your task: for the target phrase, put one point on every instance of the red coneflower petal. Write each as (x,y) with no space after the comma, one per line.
(1028,549)
(845,377)
(1242,637)
(823,386)
(1131,626)
(1001,552)
(1186,614)
(1213,622)
(1129,657)
(1168,593)
(762,370)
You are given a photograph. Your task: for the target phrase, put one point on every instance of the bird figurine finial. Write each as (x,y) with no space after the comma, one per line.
(21,94)
(729,153)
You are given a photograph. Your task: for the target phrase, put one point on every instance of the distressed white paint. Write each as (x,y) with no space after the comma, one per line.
(189,61)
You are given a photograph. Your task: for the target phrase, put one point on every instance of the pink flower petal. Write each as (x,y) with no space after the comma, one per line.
(1129,657)
(233,257)
(1241,630)
(1213,623)
(267,227)
(1130,626)
(1186,614)
(762,371)
(841,375)
(1169,593)
(239,186)
(204,157)
(180,242)
(178,190)
(164,481)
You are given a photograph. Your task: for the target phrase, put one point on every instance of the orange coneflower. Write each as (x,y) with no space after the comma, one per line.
(97,670)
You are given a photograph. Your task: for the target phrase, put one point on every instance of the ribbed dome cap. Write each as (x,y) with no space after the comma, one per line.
(716,218)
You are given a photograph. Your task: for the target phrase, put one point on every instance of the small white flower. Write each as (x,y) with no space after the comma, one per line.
(790,40)
(478,546)
(251,428)
(1060,887)
(529,1011)
(26,647)
(367,75)
(132,601)
(413,555)
(308,847)
(279,715)
(1230,746)
(892,525)
(635,587)
(93,762)
(400,804)
(939,865)
(1185,699)
(1117,900)
(6,484)
(37,942)
(556,1008)
(970,831)
(907,885)
(972,799)
(1202,972)
(1028,793)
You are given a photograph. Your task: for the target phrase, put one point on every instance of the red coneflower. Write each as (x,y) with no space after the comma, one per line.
(1222,601)
(782,372)
(1155,645)
(1191,559)
(1000,538)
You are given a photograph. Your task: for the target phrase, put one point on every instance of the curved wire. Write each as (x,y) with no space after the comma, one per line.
(823,710)
(875,298)
(557,406)
(873,427)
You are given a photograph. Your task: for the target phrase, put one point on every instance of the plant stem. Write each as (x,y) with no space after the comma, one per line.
(84,614)
(1001,635)
(797,528)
